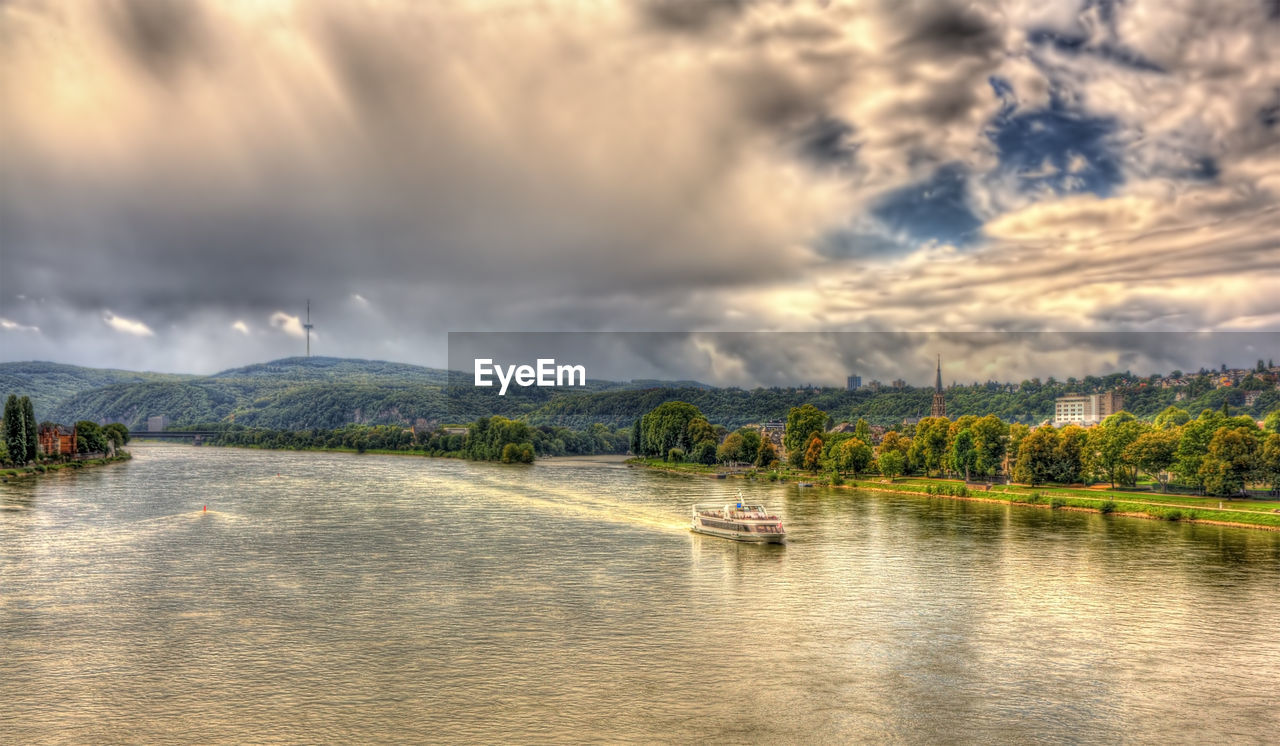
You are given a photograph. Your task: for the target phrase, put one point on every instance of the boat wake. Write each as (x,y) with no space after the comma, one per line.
(576,504)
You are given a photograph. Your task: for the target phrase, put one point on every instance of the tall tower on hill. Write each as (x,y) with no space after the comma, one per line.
(309,326)
(939,403)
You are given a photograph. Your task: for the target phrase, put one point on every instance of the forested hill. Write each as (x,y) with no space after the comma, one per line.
(298,370)
(305,393)
(49,384)
(291,393)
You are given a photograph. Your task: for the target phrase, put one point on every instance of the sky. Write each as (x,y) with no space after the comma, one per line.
(178,178)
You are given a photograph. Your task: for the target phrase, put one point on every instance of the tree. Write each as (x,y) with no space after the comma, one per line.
(853,455)
(31,429)
(813,452)
(929,446)
(1017,431)
(767,454)
(1172,417)
(1272,421)
(750,444)
(862,431)
(1154,453)
(704,452)
(892,463)
(1193,446)
(487,437)
(990,441)
(89,437)
(1069,455)
(635,437)
(802,423)
(517,453)
(964,455)
(1106,449)
(731,450)
(834,454)
(701,430)
(1232,460)
(15,432)
(1270,471)
(667,426)
(1036,461)
(117,433)
(895,442)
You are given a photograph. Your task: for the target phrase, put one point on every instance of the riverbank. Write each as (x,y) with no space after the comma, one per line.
(20,472)
(1258,514)
(458,455)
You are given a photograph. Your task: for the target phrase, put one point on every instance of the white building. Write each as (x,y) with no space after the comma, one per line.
(1086,409)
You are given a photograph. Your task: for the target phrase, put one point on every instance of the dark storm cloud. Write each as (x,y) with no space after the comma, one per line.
(161,36)
(828,141)
(943,30)
(178,174)
(689,16)
(439,161)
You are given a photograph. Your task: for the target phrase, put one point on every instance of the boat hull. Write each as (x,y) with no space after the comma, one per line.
(742,536)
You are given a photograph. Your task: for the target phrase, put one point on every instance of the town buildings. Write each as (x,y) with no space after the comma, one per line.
(57,440)
(1086,409)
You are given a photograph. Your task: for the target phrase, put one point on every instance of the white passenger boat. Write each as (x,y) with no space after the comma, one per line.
(740,521)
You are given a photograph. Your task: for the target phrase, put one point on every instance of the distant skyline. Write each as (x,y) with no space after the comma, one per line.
(750,359)
(825,359)
(178,178)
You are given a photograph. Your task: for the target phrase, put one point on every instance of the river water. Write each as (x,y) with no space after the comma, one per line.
(344,598)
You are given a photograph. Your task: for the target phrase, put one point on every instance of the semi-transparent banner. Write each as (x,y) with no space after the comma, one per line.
(575,378)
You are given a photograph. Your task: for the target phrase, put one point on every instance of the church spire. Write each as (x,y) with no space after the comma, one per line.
(939,408)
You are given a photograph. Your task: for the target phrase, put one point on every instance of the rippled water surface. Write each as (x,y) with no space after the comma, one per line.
(335,597)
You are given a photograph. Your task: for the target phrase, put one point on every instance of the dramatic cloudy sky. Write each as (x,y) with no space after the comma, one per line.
(176,178)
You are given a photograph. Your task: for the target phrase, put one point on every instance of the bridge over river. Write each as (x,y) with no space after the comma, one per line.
(196,436)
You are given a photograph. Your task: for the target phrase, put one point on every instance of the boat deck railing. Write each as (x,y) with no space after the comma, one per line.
(730,512)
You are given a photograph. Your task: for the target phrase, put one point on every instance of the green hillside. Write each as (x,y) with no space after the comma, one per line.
(49,384)
(305,393)
(295,370)
(295,393)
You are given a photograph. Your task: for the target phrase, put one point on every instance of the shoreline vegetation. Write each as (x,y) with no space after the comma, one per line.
(35,470)
(1212,468)
(493,438)
(29,447)
(1258,514)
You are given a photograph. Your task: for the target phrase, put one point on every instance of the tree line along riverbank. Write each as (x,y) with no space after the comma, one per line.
(29,448)
(485,439)
(1174,467)
(1166,507)
(1214,454)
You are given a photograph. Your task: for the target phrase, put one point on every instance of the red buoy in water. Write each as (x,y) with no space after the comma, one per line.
(206,508)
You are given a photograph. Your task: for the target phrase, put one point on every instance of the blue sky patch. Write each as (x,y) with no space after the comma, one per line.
(936,209)
(1064,150)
